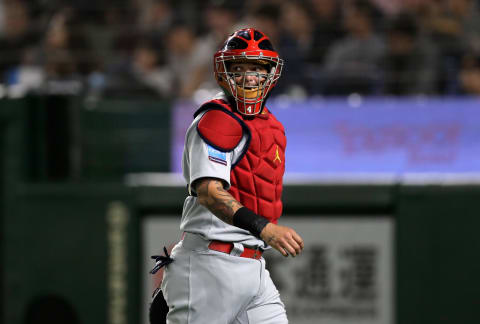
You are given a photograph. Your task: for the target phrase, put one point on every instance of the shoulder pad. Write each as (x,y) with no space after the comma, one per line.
(220,129)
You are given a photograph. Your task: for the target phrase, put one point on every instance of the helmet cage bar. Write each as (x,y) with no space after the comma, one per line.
(258,91)
(246,98)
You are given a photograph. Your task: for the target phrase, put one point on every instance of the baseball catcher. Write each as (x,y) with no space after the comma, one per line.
(233,163)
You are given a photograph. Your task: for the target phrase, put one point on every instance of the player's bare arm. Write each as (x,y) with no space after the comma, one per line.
(222,204)
(212,195)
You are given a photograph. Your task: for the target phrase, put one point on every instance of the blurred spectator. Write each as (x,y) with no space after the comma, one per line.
(111,31)
(455,26)
(219,18)
(25,78)
(188,59)
(123,45)
(389,7)
(410,64)
(298,24)
(117,35)
(143,74)
(470,75)
(327,28)
(394,7)
(330,47)
(251,6)
(265,17)
(66,56)
(147,69)
(58,64)
(296,45)
(191,57)
(18,36)
(352,64)
(155,16)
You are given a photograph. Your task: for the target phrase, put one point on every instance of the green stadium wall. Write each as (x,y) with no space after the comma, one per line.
(75,233)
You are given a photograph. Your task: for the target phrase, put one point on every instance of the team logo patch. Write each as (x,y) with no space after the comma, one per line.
(215,155)
(277,156)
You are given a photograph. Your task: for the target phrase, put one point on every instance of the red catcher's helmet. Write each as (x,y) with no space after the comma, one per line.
(252,46)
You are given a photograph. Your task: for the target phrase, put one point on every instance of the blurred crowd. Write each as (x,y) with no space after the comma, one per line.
(164,48)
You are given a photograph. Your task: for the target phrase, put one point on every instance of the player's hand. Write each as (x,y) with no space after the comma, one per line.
(282,238)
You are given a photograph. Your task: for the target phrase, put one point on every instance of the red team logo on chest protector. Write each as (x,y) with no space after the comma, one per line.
(256,178)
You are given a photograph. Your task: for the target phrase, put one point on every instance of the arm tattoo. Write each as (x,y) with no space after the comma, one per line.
(213,196)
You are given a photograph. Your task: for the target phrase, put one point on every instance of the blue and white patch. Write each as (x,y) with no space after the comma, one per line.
(217,156)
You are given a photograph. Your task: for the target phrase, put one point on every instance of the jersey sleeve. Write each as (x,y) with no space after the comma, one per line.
(206,161)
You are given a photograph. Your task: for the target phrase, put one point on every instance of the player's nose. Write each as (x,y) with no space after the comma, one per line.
(251,77)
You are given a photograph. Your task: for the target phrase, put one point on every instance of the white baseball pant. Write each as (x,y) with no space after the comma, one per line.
(205,286)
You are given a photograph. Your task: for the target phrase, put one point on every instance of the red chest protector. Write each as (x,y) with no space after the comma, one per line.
(257,177)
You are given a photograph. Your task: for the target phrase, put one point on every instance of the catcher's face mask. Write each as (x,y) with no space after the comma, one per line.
(247,68)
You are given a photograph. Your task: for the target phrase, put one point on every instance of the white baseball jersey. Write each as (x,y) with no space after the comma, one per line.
(202,285)
(201,160)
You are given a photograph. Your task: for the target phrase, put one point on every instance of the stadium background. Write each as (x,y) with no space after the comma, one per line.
(380,103)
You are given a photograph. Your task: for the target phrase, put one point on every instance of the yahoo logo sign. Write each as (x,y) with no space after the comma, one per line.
(433,142)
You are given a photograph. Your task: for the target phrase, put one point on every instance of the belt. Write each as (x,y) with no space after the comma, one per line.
(227,247)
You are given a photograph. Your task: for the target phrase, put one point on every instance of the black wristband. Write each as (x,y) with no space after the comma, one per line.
(248,220)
